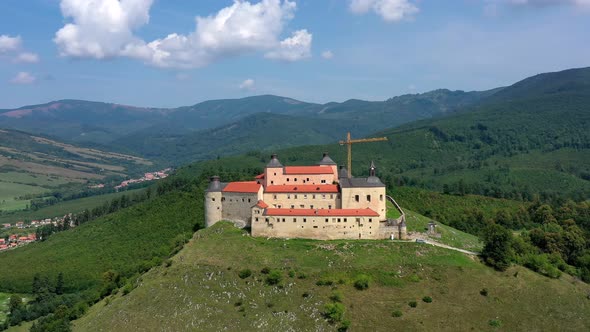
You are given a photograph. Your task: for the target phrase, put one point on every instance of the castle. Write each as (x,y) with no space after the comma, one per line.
(316,202)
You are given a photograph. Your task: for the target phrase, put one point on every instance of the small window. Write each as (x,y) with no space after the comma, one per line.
(213,199)
(338,219)
(313,196)
(302,206)
(331,196)
(323,181)
(272,182)
(329,207)
(368,198)
(256,219)
(275,173)
(287,179)
(274,196)
(295,196)
(305,196)
(294,219)
(249,200)
(344,219)
(283,219)
(324,196)
(304,220)
(381,198)
(311,206)
(243,200)
(266,219)
(307,179)
(295,179)
(358,219)
(292,206)
(223,199)
(370,220)
(315,226)
(326,219)
(357,198)
(288,196)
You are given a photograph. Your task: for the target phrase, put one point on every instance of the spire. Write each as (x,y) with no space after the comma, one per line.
(214,184)
(343,173)
(274,161)
(372,169)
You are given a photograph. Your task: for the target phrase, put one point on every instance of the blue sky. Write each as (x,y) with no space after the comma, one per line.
(313,50)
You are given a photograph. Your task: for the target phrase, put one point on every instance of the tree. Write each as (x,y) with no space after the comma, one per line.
(59,284)
(497,250)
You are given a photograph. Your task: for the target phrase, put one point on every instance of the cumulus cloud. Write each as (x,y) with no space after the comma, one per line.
(23,77)
(327,54)
(105,28)
(294,48)
(27,57)
(9,44)
(247,85)
(389,10)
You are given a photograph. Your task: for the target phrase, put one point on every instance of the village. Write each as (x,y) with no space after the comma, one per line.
(22,233)
(151,176)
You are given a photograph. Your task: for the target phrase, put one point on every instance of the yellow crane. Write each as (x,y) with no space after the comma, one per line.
(349,142)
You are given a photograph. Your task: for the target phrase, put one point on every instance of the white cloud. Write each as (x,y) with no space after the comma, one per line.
(105,28)
(27,57)
(389,10)
(23,77)
(9,44)
(294,48)
(327,54)
(247,85)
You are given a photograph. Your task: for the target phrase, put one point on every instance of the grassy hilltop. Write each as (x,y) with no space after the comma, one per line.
(201,289)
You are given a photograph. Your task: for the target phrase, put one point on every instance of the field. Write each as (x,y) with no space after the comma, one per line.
(60,209)
(200,289)
(10,191)
(3,306)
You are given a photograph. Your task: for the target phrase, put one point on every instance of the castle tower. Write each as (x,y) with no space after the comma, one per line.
(327,161)
(213,195)
(403,231)
(273,169)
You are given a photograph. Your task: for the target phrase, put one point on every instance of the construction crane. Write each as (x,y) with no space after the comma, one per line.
(349,142)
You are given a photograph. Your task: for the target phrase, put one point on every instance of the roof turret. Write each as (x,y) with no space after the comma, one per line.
(326,160)
(274,161)
(342,173)
(214,184)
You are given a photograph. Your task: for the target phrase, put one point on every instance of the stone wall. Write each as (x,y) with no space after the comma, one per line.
(213,212)
(303,200)
(377,201)
(238,206)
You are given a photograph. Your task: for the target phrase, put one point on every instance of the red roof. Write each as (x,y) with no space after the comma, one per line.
(308,170)
(322,212)
(260,176)
(261,204)
(303,188)
(242,187)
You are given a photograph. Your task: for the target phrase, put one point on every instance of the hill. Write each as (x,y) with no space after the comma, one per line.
(32,165)
(201,289)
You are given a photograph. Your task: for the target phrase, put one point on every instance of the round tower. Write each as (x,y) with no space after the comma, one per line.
(213,208)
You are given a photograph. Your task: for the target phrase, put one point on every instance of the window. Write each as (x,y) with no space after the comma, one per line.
(272,182)
(324,196)
(344,219)
(338,219)
(358,219)
(275,173)
(326,219)
(295,179)
(315,226)
(370,220)
(274,196)
(294,219)
(305,196)
(307,179)
(368,198)
(323,181)
(288,196)
(292,206)
(311,206)
(287,179)
(266,219)
(331,196)
(283,219)
(213,199)
(256,219)
(313,196)
(243,200)
(357,198)
(249,200)
(381,198)
(295,196)
(223,199)
(329,207)
(302,206)
(304,220)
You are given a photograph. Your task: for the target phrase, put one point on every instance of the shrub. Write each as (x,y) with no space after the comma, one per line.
(274,277)
(344,326)
(306,294)
(413,304)
(397,313)
(414,278)
(265,270)
(362,282)
(427,299)
(324,282)
(291,274)
(302,276)
(484,292)
(495,323)
(245,273)
(238,303)
(337,296)
(334,312)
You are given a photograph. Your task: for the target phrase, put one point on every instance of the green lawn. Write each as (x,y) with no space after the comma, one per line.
(392,212)
(41,180)
(3,306)
(449,236)
(199,289)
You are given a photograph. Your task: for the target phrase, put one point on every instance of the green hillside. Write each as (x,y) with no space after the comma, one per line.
(201,289)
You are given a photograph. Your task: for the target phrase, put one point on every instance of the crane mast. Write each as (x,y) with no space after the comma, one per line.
(349,142)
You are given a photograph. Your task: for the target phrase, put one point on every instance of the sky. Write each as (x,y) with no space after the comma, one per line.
(170,53)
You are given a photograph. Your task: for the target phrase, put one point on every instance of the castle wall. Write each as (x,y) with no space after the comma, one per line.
(377,202)
(213,212)
(303,200)
(320,228)
(238,206)
(275,177)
